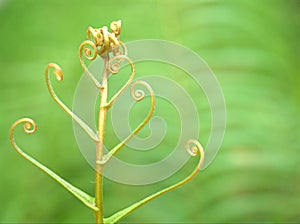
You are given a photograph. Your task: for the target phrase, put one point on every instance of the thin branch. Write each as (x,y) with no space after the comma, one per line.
(137,95)
(87,53)
(192,151)
(29,127)
(59,76)
(114,68)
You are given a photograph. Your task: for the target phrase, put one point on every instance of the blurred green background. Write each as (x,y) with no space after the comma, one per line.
(253,48)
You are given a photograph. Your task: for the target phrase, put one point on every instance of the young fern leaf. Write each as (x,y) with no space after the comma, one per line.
(30,127)
(59,76)
(193,151)
(104,44)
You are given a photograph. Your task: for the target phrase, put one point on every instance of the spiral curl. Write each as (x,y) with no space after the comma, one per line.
(59,76)
(115,27)
(193,147)
(113,67)
(57,71)
(191,150)
(95,35)
(88,50)
(118,59)
(99,41)
(101,37)
(30,127)
(137,95)
(85,48)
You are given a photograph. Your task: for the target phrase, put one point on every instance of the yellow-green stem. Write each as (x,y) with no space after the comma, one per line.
(100,144)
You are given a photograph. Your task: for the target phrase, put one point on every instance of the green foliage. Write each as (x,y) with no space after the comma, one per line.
(253,48)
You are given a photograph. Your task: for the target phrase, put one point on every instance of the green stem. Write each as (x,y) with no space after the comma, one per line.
(100,144)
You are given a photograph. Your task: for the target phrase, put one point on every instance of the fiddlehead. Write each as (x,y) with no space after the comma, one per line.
(89,50)
(105,44)
(103,39)
(30,127)
(137,95)
(192,147)
(59,76)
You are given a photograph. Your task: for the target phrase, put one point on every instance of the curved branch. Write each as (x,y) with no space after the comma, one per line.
(90,55)
(30,127)
(193,151)
(59,76)
(137,95)
(114,68)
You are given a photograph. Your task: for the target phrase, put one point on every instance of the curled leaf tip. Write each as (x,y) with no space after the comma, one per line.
(57,71)
(30,127)
(59,75)
(193,147)
(116,27)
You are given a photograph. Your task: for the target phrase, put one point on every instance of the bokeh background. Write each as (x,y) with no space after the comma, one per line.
(253,48)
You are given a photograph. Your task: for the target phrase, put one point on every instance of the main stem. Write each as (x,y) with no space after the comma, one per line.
(100,144)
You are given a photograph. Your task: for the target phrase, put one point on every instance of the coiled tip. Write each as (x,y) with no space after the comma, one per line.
(115,27)
(58,74)
(89,50)
(115,68)
(193,147)
(114,64)
(139,94)
(104,39)
(57,71)
(29,125)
